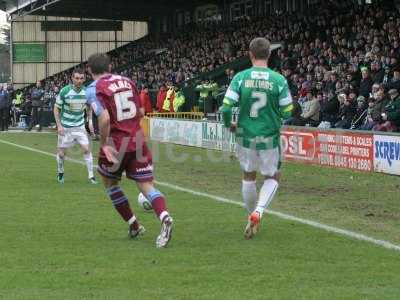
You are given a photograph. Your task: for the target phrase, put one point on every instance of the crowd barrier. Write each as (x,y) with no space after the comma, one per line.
(178,115)
(356,150)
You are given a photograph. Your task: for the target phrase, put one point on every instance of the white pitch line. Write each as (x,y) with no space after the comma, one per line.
(344,232)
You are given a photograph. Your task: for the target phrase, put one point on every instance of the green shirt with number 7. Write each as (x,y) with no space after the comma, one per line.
(264,99)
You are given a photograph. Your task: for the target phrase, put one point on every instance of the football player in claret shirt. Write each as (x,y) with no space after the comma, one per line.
(115,101)
(263,98)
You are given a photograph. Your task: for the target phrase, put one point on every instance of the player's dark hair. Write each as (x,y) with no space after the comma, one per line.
(99,63)
(77,71)
(260,48)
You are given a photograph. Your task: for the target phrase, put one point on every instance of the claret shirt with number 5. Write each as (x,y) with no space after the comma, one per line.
(262,96)
(120,97)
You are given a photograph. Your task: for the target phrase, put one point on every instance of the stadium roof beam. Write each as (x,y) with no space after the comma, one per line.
(26,7)
(100,9)
(110,10)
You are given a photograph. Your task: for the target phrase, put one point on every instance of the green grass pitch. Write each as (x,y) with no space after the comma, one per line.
(67,242)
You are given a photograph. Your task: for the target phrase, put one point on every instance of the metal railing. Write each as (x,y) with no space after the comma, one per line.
(178,115)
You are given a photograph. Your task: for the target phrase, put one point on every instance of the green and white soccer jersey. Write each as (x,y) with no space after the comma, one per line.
(263,98)
(261,94)
(72,104)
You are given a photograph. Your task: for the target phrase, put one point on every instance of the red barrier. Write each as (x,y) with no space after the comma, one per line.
(341,149)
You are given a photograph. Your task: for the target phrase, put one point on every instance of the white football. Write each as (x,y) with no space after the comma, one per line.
(144,203)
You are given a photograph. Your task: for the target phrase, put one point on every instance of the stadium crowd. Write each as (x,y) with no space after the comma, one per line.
(342,64)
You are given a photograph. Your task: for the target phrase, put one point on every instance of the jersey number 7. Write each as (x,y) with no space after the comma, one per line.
(261,102)
(125,109)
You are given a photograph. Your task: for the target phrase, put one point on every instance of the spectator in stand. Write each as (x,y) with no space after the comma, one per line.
(168,105)
(332,46)
(346,113)
(366,83)
(287,72)
(145,100)
(376,106)
(11,95)
(49,98)
(17,106)
(310,111)
(331,85)
(37,95)
(304,97)
(369,122)
(391,116)
(361,113)
(296,114)
(26,109)
(386,77)
(330,110)
(378,73)
(229,76)
(4,109)
(375,89)
(162,94)
(395,82)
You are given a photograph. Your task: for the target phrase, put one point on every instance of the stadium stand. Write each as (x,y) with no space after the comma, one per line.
(340,61)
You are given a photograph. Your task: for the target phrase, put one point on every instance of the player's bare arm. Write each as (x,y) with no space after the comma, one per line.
(104,130)
(60,128)
(89,113)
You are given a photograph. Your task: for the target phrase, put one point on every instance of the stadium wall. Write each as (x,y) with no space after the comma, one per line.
(354,150)
(39,53)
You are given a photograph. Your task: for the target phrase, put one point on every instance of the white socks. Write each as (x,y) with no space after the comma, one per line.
(60,164)
(267,193)
(88,160)
(163,215)
(132,220)
(249,193)
(89,164)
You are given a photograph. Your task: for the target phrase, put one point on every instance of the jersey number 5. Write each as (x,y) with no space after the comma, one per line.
(125,109)
(259,104)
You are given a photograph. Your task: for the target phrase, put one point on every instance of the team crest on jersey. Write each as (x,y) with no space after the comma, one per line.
(76,106)
(259,75)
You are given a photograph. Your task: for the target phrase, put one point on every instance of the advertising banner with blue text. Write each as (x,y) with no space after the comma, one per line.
(387,154)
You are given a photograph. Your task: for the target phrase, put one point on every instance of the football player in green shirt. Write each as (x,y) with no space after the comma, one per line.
(264,99)
(69,113)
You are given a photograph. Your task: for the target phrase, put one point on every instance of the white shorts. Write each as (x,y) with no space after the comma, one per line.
(265,161)
(72,136)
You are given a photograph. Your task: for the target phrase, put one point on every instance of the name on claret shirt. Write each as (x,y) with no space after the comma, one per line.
(119,85)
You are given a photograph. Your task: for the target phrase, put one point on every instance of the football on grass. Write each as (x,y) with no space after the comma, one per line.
(144,203)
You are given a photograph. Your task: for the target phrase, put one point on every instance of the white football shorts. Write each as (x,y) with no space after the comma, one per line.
(265,161)
(72,136)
